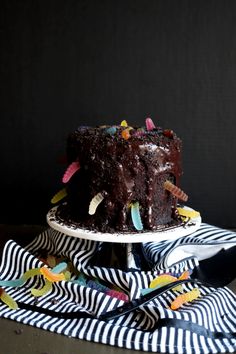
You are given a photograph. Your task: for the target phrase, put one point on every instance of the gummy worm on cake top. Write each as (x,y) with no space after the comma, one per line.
(122,178)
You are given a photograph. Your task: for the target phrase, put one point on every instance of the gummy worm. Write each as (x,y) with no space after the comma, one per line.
(176,191)
(70,171)
(8,300)
(51,276)
(111,130)
(125,133)
(18,282)
(31,273)
(124,123)
(97,199)
(60,267)
(45,289)
(188,213)
(164,279)
(59,196)
(186,297)
(149,124)
(135,215)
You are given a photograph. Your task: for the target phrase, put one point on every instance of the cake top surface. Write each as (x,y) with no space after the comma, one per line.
(160,146)
(146,134)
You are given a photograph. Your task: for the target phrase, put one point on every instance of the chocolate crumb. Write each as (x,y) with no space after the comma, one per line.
(18,331)
(54,301)
(36,300)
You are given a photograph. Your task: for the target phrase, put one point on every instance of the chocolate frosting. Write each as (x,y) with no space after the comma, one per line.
(125,169)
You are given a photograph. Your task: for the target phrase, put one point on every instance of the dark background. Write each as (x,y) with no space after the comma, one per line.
(71,63)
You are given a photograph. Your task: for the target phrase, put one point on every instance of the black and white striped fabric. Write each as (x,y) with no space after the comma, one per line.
(206,325)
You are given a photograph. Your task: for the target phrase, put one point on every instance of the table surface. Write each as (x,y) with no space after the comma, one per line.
(17,338)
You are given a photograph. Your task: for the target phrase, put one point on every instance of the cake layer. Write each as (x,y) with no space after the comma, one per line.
(119,181)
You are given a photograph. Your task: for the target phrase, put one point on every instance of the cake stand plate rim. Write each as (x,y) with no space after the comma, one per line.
(171,233)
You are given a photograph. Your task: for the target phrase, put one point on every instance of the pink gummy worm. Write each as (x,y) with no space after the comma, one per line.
(72,168)
(149,124)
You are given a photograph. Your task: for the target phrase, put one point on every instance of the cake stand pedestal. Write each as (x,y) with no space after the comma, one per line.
(122,250)
(123,256)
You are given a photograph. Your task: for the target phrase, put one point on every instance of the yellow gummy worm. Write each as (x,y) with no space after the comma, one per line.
(44,290)
(124,123)
(165,279)
(59,195)
(188,213)
(8,300)
(162,280)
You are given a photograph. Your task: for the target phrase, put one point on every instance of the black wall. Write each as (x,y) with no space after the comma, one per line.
(71,63)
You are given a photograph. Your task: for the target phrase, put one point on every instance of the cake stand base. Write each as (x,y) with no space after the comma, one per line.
(122,250)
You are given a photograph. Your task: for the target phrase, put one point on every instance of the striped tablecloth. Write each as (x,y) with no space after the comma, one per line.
(206,325)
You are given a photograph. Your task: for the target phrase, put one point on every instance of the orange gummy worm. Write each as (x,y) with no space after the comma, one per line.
(49,275)
(186,297)
(125,134)
(176,191)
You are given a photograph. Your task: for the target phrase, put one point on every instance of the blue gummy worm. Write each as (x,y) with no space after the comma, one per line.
(111,130)
(59,268)
(135,215)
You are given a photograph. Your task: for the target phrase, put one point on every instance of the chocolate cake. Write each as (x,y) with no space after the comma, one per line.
(122,178)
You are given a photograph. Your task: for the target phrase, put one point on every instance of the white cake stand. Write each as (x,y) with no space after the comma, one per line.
(129,240)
